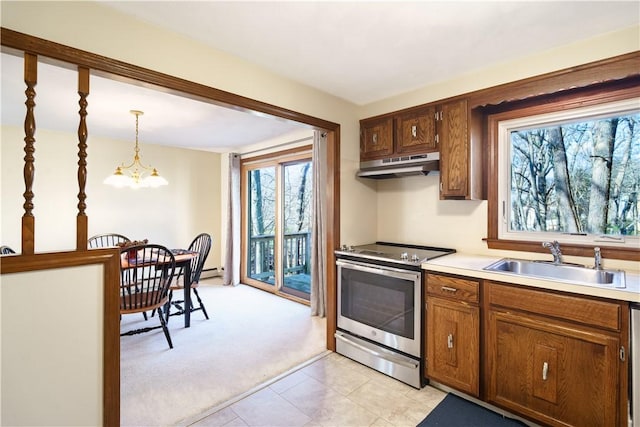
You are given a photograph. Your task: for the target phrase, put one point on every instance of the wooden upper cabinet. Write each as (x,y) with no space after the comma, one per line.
(448,127)
(416,131)
(376,138)
(403,134)
(460,134)
(453,131)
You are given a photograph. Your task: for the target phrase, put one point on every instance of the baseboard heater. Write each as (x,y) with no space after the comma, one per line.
(208,273)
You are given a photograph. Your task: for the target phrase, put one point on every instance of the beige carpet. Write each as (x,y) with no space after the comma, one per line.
(251,337)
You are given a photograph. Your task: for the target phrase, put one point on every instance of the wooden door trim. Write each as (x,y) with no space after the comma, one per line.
(12,41)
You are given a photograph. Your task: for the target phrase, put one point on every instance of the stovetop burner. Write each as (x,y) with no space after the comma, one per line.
(394,252)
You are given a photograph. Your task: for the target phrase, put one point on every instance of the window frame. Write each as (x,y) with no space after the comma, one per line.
(504,169)
(571,100)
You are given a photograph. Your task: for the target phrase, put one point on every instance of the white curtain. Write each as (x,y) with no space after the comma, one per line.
(232,257)
(318,231)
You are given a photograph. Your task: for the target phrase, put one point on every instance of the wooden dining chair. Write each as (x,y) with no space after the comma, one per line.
(108,240)
(146,274)
(6,250)
(201,244)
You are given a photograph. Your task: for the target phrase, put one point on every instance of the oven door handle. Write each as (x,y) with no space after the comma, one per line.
(375,269)
(388,357)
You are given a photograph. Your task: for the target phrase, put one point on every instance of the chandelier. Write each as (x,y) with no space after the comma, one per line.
(135,175)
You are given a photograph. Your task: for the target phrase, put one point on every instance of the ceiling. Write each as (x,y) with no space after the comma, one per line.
(360,51)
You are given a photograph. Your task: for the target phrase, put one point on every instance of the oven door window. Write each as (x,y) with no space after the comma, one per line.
(380,301)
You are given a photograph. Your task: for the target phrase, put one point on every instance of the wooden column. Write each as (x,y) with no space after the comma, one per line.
(28,220)
(332,200)
(82,220)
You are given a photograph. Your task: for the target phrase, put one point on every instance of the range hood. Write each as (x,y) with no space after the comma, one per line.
(396,167)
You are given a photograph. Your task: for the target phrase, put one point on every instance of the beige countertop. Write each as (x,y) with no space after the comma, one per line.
(472,266)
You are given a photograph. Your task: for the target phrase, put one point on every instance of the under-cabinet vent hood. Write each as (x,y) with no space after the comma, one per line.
(396,167)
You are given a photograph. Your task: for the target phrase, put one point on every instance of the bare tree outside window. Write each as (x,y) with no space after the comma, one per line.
(577,177)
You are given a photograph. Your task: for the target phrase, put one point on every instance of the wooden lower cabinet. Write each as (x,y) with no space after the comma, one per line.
(452,334)
(552,368)
(556,358)
(453,353)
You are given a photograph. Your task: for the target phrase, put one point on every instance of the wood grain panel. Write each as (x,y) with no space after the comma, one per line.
(416,131)
(594,312)
(580,388)
(82,223)
(454,150)
(453,287)
(376,139)
(29,169)
(453,344)
(606,70)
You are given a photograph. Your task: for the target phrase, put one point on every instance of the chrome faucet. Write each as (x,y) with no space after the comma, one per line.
(554,247)
(597,259)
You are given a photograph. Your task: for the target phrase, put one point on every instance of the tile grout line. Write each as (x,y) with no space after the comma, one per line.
(199,417)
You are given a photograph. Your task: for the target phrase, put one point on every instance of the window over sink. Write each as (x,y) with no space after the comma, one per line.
(571,175)
(596,124)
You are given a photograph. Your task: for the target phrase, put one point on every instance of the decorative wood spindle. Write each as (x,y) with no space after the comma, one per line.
(28,220)
(81,219)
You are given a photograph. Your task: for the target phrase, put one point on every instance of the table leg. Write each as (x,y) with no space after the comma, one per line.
(187,294)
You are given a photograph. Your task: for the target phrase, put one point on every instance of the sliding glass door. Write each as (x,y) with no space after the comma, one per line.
(296,244)
(262,224)
(277,223)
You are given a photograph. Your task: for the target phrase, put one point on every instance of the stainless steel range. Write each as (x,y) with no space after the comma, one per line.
(379,306)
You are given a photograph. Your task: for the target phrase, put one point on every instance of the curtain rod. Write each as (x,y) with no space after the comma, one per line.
(309,138)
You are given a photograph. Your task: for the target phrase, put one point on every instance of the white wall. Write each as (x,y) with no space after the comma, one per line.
(409,211)
(172,215)
(48,347)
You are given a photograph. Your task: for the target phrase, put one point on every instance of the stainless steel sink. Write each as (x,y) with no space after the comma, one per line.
(564,272)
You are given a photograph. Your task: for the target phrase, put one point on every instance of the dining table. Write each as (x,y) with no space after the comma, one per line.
(183,258)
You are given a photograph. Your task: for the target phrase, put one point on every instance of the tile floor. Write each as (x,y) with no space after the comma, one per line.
(332,391)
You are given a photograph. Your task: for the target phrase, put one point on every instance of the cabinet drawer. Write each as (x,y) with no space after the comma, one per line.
(602,314)
(457,288)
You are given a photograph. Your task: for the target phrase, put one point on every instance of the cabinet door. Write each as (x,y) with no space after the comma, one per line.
(555,373)
(453,344)
(454,150)
(416,131)
(376,139)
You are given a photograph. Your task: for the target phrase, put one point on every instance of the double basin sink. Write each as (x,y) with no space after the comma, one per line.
(564,272)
